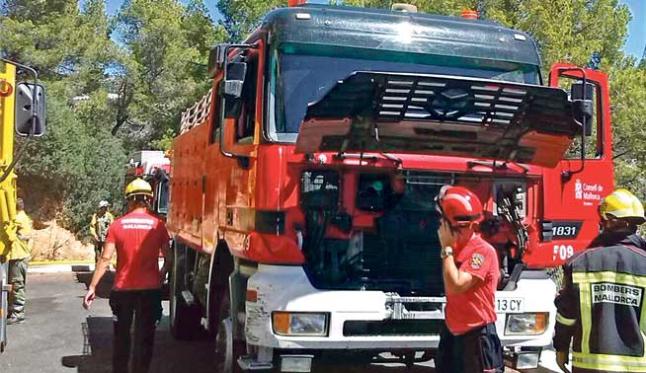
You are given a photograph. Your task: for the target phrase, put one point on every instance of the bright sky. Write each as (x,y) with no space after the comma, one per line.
(636,29)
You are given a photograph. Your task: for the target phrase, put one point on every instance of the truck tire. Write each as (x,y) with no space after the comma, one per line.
(219,289)
(227,349)
(184,318)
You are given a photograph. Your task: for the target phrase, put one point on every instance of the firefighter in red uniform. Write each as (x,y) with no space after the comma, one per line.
(469,342)
(137,237)
(601,308)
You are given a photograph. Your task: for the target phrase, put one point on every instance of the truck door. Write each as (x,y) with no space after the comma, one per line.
(230,163)
(573,189)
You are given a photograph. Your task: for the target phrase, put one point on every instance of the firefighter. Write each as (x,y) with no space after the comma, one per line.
(137,237)
(601,305)
(99,224)
(19,234)
(469,342)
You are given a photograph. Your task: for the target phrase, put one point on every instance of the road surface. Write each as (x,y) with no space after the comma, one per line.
(60,336)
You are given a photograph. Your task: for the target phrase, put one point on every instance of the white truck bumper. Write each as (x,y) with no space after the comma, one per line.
(287,288)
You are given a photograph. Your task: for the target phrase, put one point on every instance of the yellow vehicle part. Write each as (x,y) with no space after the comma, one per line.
(8,186)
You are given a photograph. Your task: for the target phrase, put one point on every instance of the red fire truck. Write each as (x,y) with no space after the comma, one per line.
(302,197)
(154,167)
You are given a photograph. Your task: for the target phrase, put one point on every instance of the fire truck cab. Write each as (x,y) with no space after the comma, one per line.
(302,196)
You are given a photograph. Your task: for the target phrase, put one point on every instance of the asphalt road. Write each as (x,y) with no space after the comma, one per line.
(60,336)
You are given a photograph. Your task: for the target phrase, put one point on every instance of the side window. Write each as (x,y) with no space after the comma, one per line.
(593,138)
(215,129)
(162,197)
(247,118)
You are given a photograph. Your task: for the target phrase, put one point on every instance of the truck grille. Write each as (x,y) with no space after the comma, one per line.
(392,328)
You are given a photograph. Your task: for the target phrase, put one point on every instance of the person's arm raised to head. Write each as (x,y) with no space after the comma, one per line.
(455,281)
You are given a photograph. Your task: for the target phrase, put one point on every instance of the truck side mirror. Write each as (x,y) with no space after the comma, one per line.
(30,121)
(217,58)
(582,105)
(234,79)
(231,88)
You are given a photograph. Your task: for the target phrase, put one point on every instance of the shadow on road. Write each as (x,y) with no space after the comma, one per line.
(169,356)
(97,347)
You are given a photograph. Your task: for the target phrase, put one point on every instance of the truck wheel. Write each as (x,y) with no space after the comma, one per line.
(184,318)
(219,288)
(227,349)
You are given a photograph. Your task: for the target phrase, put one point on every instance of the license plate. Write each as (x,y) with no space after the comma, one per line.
(509,304)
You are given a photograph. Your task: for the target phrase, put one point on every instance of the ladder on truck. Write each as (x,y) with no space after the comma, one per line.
(196,114)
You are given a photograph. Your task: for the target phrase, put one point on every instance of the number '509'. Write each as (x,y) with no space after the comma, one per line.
(563,251)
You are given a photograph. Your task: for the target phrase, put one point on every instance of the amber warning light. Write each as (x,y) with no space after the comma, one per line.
(6,89)
(469,14)
(296,2)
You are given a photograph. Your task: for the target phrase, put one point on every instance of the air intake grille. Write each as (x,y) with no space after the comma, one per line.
(392,328)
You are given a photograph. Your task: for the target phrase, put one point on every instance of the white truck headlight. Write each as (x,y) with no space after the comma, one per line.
(300,323)
(529,323)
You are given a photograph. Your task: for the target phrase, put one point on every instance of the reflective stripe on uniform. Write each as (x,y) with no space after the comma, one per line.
(585,281)
(611,363)
(564,320)
(590,277)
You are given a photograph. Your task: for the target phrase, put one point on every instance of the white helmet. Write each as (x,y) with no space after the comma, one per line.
(103,204)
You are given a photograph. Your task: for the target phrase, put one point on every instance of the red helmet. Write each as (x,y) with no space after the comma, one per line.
(459,205)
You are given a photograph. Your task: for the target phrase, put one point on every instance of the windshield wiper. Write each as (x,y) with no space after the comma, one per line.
(497,166)
(361,156)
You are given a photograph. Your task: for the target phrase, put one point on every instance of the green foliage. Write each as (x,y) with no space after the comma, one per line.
(568,30)
(168,44)
(165,142)
(241,17)
(629,131)
(427,6)
(106,98)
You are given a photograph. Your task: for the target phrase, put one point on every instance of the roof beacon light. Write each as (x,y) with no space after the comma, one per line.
(291,3)
(403,7)
(469,14)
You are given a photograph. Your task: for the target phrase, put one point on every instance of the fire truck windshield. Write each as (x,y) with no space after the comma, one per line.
(299,79)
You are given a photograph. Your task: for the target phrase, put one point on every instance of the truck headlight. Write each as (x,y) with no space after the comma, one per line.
(531,323)
(300,323)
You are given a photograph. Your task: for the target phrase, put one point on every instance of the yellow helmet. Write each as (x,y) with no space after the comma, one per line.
(621,204)
(139,187)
